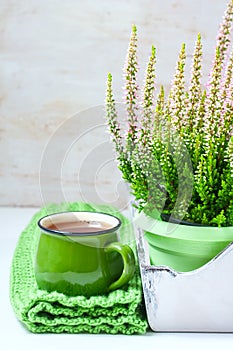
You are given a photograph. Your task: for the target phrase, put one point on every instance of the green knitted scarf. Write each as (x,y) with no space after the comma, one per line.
(120,311)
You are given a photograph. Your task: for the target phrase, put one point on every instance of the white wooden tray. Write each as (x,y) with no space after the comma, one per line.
(196,301)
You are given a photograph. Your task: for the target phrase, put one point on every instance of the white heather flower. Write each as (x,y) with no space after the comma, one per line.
(177,96)
(112,117)
(195,93)
(131,87)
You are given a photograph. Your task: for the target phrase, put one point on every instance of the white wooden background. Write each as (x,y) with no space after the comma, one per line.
(54,59)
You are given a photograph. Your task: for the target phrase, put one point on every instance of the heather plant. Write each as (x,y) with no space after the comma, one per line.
(177,150)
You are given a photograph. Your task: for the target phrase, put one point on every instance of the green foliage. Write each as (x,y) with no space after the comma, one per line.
(177,154)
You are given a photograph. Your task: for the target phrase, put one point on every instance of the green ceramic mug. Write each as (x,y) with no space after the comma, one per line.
(79,253)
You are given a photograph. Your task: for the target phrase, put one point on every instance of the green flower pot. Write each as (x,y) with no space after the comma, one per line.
(182,247)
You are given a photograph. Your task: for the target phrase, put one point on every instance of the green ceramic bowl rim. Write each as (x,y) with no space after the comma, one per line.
(184,232)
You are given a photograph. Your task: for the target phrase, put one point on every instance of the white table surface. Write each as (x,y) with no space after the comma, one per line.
(14,336)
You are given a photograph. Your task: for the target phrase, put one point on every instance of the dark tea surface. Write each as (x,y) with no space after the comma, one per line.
(79,226)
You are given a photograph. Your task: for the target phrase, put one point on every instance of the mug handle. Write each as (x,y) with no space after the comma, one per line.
(128,260)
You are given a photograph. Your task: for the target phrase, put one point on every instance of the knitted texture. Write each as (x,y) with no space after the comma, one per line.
(120,311)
